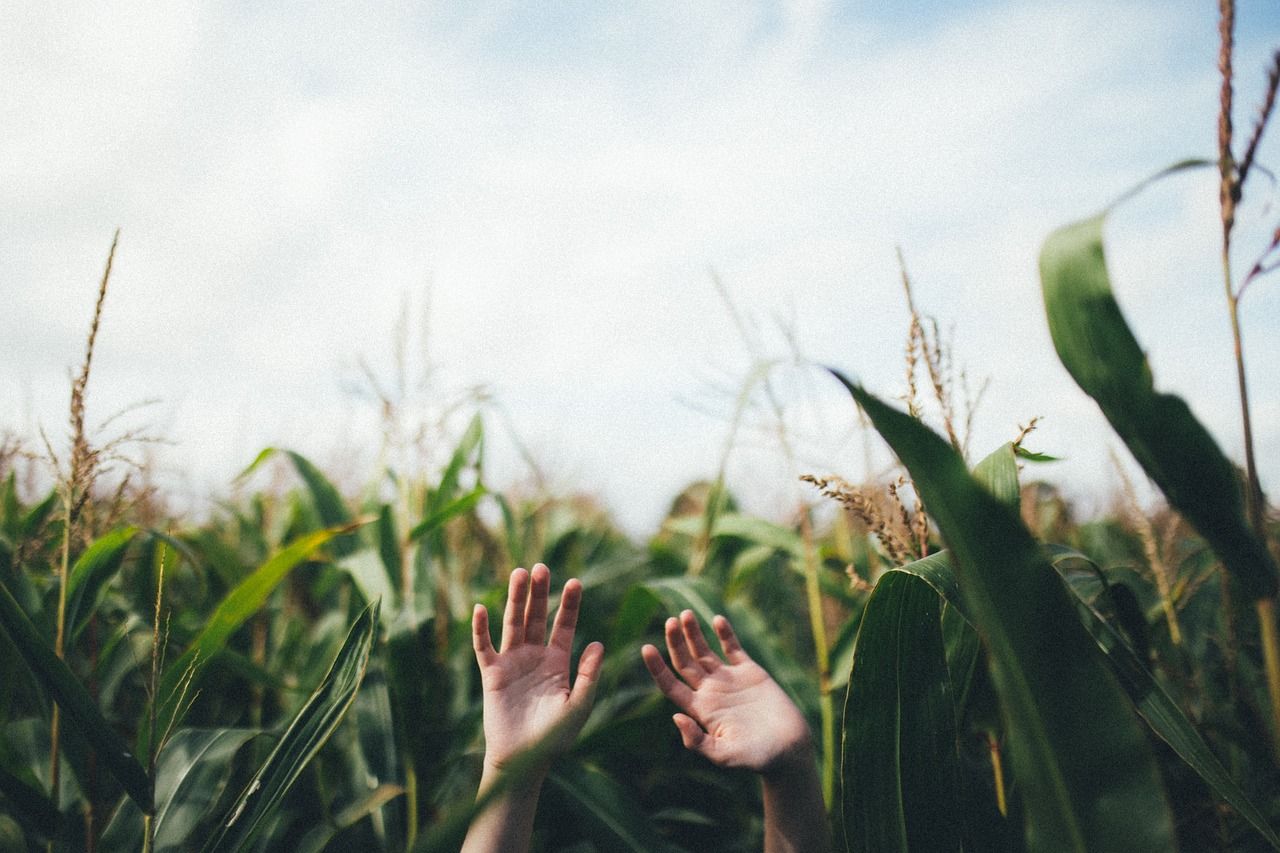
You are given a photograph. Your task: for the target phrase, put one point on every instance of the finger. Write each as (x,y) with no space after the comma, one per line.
(480,640)
(584,685)
(567,615)
(681,655)
(535,617)
(513,616)
(692,735)
(706,658)
(733,651)
(673,688)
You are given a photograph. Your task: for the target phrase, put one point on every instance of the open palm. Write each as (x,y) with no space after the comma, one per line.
(734,712)
(527,690)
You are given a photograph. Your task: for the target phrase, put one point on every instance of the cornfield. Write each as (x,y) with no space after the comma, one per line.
(980,670)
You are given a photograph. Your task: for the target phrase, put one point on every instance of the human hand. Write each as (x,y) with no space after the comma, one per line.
(735,713)
(527,694)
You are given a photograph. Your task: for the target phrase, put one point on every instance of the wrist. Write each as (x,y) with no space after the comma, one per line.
(518,780)
(795,762)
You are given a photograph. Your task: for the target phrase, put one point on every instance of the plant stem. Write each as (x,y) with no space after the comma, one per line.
(411,801)
(153,739)
(1229,196)
(997,772)
(813,591)
(55,721)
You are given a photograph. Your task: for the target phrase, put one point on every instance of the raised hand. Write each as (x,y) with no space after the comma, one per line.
(527,693)
(734,713)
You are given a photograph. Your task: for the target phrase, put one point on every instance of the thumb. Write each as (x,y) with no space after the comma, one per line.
(692,735)
(584,686)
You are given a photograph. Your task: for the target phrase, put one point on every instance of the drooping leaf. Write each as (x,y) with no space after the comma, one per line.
(308,731)
(1089,781)
(900,765)
(1097,348)
(76,703)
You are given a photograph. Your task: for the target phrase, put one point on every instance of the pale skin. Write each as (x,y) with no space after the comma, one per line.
(527,697)
(736,715)
(733,713)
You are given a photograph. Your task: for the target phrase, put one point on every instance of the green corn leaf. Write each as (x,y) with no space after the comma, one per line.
(192,771)
(326,498)
(308,731)
(182,676)
(612,819)
(470,445)
(1149,698)
(1100,352)
(447,833)
(32,807)
(76,703)
(900,766)
(999,473)
(91,572)
(389,545)
(446,513)
(319,838)
(1159,709)
(1088,780)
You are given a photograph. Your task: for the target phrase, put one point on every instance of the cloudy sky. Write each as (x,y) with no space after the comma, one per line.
(543,194)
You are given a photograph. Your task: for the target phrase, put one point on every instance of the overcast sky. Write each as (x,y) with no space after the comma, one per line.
(558,183)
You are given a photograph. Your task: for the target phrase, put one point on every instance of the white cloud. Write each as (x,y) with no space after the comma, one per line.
(284,175)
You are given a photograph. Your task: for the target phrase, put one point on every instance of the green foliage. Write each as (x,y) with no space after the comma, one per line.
(900,766)
(1100,352)
(1089,783)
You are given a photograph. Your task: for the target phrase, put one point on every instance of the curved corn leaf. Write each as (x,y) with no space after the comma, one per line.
(999,473)
(326,498)
(308,731)
(1149,698)
(1161,712)
(181,676)
(75,701)
(1089,781)
(1100,352)
(91,572)
(900,765)
(192,770)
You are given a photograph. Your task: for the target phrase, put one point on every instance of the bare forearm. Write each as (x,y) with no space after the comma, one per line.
(795,819)
(505,825)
